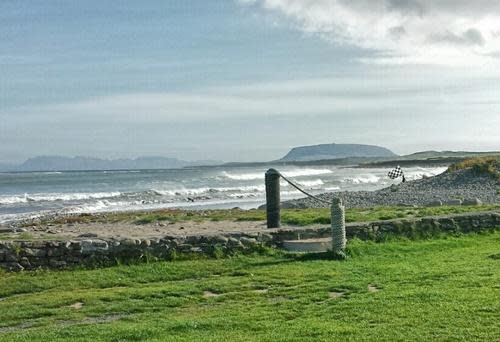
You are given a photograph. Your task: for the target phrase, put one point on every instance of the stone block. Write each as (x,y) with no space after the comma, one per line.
(57,263)
(453,202)
(472,201)
(31,252)
(435,203)
(219,239)
(248,241)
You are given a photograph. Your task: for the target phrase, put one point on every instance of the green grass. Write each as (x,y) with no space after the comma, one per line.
(441,289)
(304,217)
(299,217)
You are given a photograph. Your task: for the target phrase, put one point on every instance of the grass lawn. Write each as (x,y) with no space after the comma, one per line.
(440,289)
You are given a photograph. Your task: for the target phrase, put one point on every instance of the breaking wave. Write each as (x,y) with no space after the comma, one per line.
(363,179)
(289,173)
(56,197)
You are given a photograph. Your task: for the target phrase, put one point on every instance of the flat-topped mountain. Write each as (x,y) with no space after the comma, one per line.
(334,151)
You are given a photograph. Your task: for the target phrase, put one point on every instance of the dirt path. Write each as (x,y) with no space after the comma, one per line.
(132,230)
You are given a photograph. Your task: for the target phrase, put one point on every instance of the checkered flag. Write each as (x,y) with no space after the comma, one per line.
(396,173)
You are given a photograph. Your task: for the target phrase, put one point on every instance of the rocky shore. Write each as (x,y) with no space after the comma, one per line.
(453,188)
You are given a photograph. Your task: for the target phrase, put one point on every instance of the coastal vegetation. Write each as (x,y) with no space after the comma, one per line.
(480,165)
(296,217)
(396,290)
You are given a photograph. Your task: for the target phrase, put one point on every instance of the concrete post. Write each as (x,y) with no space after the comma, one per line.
(338,228)
(273,198)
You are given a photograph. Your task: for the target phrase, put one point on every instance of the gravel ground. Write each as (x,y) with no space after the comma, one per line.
(447,188)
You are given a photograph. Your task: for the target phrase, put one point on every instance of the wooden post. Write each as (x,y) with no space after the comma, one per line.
(338,228)
(273,198)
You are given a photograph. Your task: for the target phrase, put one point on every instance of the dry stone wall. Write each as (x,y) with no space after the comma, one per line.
(20,255)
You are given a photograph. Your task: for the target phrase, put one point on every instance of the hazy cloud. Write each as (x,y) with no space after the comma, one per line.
(444,32)
(469,37)
(236,122)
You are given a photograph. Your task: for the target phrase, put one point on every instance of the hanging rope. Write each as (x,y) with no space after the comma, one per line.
(303,191)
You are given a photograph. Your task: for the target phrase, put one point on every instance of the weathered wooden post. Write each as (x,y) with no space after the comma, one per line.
(273,198)
(338,228)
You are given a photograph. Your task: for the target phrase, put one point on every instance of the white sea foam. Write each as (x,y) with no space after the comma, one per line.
(287,173)
(206,190)
(56,197)
(422,172)
(306,172)
(363,179)
(311,183)
(243,176)
(121,171)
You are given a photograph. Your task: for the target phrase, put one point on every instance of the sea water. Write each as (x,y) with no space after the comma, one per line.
(28,194)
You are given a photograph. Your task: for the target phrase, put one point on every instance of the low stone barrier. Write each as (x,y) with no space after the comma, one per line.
(20,255)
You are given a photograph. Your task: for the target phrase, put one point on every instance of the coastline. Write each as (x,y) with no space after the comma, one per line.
(449,188)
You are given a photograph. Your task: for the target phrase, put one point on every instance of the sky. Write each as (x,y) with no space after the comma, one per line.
(246,80)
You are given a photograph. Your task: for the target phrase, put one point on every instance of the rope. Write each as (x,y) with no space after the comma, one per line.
(303,191)
(338,228)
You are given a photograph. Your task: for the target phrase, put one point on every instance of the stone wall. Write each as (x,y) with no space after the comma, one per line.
(19,255)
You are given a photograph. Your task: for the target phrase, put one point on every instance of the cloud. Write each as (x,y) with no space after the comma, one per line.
(233,122)
(363,93)
(442,32)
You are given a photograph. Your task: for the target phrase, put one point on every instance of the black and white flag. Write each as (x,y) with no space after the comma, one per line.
(396,173)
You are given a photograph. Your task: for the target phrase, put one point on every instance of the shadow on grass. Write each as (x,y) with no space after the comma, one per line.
(294,257)
(329,255)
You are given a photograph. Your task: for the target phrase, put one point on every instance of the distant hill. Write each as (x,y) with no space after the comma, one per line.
(448,154)
(58,163)
(428,158)
(336,151)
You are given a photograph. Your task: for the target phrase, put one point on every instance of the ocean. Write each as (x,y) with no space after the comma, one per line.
(30,194)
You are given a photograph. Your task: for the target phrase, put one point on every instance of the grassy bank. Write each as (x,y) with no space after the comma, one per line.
(481,165)
(443,289)
(298,217)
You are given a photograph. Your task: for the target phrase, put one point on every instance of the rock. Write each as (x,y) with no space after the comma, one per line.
(248,241)
(472,201)
(234,242)
(57,263)
(264,237)
(219,239)
(453,202)
(288,205)
(24,262)
(436,203)
(130,242)
(87,235)
(74,245)
(15,267)
(90,246)
(38,253)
